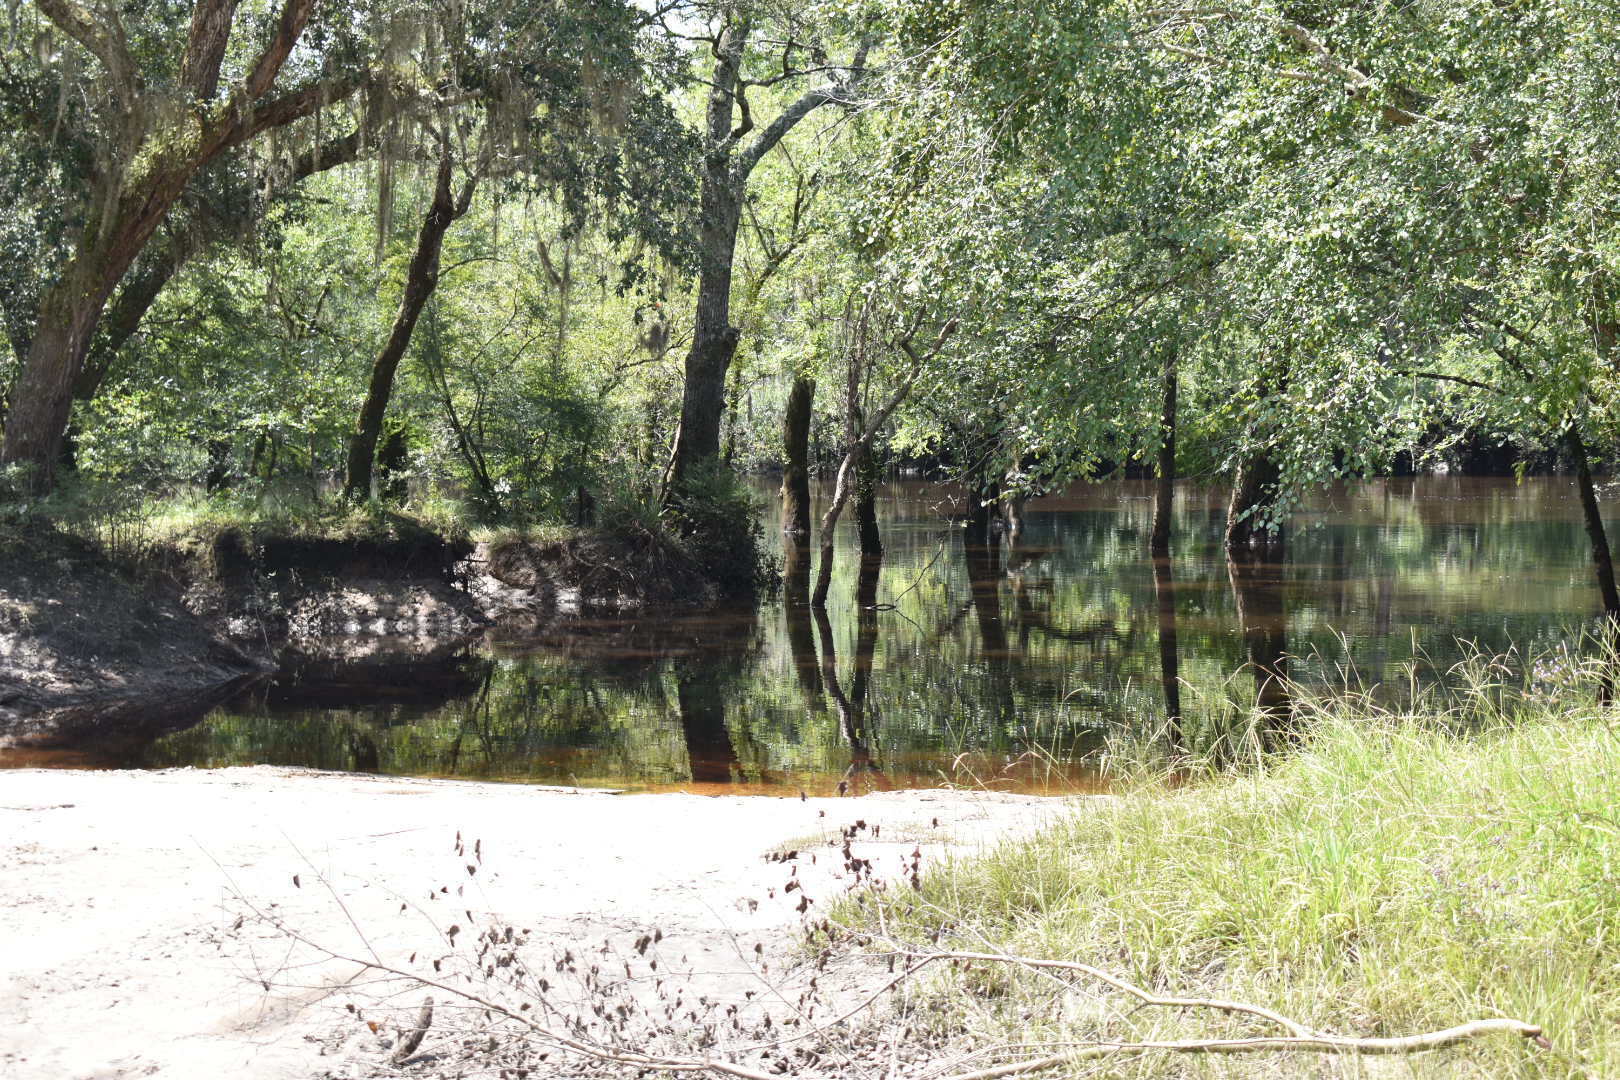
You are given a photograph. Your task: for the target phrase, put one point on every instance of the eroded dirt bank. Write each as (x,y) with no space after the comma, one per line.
(97,651)
(120,894)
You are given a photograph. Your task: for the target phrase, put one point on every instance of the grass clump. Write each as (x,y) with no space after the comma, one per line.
(1387,877)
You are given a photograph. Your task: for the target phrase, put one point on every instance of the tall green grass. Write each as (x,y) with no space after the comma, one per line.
(1391,873)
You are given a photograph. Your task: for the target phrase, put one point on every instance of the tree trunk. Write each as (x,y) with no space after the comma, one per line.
(866,506)
(393,459)
(130,200)
(1165,494)
(124,316)
(1253,490)
(42,399)
(983,502)
(421,279)
(1592,514)
(714,340)
(1602,561)
(727,166)
(829,529)
(1012,517)
(796,509)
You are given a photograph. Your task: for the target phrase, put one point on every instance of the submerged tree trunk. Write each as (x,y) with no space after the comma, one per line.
(983,503)
(866,506)
(1012,517)
(1165,493)
(796,507)
(829,531)
(421,278)
(1254,489)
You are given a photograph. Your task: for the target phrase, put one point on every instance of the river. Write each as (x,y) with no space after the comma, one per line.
(1008,667)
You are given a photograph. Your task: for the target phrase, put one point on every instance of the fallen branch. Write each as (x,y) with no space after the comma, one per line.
(1322,1044)
(571,1037)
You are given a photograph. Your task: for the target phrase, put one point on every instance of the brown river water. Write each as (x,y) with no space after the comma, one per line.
(1008,667)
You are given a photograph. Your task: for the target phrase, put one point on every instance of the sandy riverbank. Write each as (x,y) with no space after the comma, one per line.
(120,891)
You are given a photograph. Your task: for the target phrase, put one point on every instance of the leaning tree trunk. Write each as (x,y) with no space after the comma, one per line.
(1602,561)
(1253,490)
(42,399)
(132,198)
(1165,494)
(829,529)
(796,510)
(421,279)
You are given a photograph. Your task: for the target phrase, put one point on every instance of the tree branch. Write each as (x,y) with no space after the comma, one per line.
(294,105)
(294,17)
(205,47)
(1440,377)
(837,93)
(77,23)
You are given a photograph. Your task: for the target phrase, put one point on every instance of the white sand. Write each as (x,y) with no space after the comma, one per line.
(118,894)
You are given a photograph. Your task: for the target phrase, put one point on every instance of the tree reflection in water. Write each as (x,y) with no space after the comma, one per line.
(1066,635)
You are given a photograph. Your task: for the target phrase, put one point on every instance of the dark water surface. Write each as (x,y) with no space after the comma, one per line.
(1002,665)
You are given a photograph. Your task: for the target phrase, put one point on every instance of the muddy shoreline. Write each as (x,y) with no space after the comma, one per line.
(122,893)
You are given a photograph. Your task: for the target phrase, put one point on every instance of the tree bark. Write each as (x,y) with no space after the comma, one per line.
(796,507)
(421,279)
(727,166)
(1253,489)
(984,501)
(42,399)
(1165,493)
(714,339)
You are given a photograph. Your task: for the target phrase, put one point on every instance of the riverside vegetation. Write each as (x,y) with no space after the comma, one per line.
(1395,871)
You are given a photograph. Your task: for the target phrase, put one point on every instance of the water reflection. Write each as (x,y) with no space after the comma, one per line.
(1000,662)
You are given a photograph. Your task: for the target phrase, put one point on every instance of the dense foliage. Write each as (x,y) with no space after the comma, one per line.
(533,259)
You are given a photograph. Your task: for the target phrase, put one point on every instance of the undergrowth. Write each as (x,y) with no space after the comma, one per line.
(135,528)
(1392,872)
